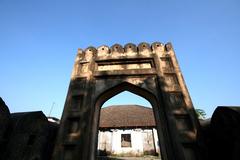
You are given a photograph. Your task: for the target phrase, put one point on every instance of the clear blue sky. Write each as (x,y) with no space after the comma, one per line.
(39,40)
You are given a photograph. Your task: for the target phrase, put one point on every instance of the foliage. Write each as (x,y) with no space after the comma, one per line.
(201,113)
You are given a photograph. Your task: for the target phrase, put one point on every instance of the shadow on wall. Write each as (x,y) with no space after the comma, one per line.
(103,153)
(28,135)
(108,158)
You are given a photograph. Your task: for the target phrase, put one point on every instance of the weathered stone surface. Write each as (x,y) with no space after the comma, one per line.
(30,137)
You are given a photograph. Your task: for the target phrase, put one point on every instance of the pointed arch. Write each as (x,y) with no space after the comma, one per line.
(126,86)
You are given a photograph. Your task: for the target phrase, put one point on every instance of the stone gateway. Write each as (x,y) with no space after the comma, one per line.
(150,71)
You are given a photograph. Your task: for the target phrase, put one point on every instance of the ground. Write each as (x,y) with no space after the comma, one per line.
(129,158)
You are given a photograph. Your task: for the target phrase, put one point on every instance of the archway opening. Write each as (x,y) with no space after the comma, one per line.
(127,128)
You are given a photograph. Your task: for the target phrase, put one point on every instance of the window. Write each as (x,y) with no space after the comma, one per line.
(126,140)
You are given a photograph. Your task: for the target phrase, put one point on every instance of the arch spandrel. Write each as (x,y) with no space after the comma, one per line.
(148,72)
(131,84)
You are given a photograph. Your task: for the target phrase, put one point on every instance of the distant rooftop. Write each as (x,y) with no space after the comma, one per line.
(126,116)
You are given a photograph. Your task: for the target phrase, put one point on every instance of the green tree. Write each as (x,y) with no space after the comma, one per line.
(201,113)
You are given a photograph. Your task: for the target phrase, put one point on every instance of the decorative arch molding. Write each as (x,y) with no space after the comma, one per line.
(150,71)
(126,85)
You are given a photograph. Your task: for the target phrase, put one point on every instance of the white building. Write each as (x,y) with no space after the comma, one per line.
(127,130)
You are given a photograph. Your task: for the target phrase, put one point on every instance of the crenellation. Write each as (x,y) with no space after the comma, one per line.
(103,51)
(117,50)
(90,53)
(85,59)
(144,49)
(80,51)
(130,49)
(168,47)
(79,56)
(158,48)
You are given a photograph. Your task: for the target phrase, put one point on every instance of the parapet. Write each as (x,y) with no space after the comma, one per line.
(118,51)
